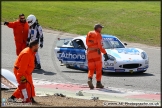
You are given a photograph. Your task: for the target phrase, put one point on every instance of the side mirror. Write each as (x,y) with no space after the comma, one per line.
(125,43)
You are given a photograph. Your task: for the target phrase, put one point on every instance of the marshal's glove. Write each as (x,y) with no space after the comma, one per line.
(106,57)
(23,79)
(6,23)
(41,45)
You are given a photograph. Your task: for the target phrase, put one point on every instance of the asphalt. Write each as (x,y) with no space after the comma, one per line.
(146,83)
(110,95)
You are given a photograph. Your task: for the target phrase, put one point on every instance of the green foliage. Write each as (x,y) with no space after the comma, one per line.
(129,21)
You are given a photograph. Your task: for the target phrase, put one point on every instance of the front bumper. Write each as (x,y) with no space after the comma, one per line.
(119,66)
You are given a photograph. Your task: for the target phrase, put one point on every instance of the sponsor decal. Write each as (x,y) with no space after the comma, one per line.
(140,69)
(72,56)
(128,51)
(109,68)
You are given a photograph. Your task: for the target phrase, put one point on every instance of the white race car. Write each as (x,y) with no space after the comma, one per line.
(72,53)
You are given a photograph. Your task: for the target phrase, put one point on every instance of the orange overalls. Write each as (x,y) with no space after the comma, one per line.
(20,31)
(24,66)
(94,43)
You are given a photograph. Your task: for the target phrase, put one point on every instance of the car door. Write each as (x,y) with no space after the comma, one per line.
(71,54)
(62,46)
(74,56)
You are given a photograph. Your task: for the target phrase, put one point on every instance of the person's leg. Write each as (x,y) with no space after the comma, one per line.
(23,46)
(31,88)
(98,63)
(38,66)
(91,69)
(18,48)
(17,93)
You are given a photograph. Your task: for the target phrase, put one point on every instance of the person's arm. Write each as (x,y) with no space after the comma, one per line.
(29,37)
(23,65)
(40,36)
(11,24)
(100,46)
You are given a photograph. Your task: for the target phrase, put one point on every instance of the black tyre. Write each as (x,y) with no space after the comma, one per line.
(68,66)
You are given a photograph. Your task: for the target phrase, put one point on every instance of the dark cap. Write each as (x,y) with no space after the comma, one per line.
(98,26)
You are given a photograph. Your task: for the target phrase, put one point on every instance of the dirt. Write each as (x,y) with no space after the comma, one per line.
(49,101)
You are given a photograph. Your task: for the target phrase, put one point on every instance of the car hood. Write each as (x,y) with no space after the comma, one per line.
(125,53)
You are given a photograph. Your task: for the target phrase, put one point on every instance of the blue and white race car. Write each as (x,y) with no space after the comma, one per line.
(72,53)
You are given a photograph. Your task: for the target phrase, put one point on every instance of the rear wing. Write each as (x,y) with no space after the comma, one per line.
(62,42)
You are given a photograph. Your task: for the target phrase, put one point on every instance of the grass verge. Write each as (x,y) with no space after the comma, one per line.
(129,21)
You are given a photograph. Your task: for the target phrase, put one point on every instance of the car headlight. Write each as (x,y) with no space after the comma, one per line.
(143,55)
(111,58)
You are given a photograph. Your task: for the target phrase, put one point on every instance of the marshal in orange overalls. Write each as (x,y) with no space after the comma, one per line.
(24,66)
(20,31)
(94,43)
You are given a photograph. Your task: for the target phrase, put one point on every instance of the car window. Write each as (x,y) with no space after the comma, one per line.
(112,43)
(63,42)
(78,43)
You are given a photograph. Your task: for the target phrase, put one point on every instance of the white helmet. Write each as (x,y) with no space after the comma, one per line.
(31,19)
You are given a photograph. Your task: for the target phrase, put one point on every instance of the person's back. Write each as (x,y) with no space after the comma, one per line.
(91,39)
(29,60)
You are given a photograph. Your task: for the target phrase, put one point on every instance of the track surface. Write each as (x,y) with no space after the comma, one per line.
(52,71)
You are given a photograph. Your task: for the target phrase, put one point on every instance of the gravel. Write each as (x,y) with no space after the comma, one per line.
(46,101)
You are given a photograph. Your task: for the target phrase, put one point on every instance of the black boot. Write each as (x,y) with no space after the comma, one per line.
(99,85)
(37,66)
(12,99)
(33,101)
(90,84)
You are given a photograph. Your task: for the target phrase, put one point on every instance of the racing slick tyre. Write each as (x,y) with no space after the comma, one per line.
(142,71)
(68,66)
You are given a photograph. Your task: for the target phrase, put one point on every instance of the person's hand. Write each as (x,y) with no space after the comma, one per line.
(23,79)
(6,23)
(106,57)
(41,45)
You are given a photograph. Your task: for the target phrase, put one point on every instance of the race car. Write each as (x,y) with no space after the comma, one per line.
(72,53)
(8,79)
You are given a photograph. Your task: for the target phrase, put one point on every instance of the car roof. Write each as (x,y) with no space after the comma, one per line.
(103,36)
(108,36)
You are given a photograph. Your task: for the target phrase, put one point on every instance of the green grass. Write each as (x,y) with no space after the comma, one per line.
(129,21)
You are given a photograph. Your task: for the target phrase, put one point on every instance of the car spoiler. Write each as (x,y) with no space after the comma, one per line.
(64,38)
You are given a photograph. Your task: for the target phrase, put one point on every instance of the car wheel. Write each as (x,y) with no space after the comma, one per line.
(142,71)
(67,66)
(102,72)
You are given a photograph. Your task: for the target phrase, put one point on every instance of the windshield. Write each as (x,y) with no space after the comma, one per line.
(109,43)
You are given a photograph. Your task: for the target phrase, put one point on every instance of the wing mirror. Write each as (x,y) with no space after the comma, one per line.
(125,43)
